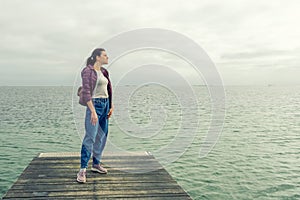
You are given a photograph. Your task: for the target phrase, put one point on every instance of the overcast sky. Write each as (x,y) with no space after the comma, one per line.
(45,42)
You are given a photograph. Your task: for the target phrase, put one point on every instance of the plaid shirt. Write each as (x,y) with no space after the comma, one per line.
(89,80)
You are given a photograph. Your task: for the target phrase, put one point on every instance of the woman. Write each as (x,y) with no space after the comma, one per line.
(97,96)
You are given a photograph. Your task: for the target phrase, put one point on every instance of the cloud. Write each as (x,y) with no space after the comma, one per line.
(262,54)
(57,36)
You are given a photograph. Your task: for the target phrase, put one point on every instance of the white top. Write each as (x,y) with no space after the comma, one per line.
(100,90)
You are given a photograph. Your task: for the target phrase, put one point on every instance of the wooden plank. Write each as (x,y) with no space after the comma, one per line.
(53,176)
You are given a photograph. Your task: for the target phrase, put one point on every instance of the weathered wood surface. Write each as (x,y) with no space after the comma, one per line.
(53,176)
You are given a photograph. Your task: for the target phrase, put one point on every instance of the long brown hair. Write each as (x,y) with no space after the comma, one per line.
(92,59)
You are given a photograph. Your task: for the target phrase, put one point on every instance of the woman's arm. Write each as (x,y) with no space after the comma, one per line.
(110,111)
(86,85)
(94,117)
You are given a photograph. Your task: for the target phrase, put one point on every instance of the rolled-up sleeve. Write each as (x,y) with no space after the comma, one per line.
(86,85)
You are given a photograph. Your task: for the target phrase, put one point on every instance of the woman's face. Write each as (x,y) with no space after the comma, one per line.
(103,59)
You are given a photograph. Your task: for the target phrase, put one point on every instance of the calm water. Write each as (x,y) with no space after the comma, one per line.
(256,157)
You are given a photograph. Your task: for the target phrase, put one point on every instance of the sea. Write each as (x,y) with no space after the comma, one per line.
(243,146)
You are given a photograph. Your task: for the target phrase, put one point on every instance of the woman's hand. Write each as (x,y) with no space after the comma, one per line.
(94,118)
(110,112)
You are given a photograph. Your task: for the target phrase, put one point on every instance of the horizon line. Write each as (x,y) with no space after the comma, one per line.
(270,85)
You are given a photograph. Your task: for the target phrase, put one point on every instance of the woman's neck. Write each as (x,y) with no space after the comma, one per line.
(97,66)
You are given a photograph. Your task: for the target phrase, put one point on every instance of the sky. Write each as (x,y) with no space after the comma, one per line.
(250,42)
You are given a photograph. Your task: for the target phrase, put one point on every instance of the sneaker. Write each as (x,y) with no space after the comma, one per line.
(81,176)
(99,169)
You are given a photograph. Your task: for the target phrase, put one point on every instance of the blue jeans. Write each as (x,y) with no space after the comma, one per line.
(95,136)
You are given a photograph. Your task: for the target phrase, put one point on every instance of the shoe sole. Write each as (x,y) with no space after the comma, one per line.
(79,181)
(97,170)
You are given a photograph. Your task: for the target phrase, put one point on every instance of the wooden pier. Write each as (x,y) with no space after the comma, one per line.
(130,176)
